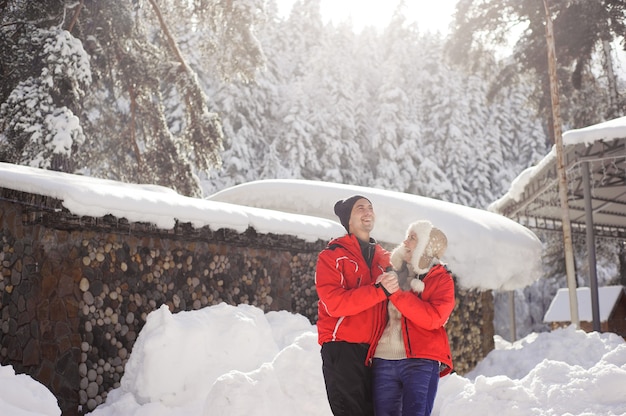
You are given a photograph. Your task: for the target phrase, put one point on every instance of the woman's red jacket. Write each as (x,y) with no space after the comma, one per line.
(423,318)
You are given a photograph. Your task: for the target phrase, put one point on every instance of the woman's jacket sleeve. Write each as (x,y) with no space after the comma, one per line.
(432,308)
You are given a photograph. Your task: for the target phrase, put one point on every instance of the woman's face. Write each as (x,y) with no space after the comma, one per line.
(410,243)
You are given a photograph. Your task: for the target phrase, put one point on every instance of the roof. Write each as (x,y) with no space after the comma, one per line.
(486,251)
(163,207)
(559,311)
(533,199)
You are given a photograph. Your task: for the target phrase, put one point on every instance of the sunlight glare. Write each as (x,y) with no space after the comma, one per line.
(430,15)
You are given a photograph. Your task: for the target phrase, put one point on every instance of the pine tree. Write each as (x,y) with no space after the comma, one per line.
(394,137)
(45,72)
(144,114)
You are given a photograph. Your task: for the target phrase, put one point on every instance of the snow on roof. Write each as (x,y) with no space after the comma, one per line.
(607,131)
(86,196)
(485,250)
(559,310)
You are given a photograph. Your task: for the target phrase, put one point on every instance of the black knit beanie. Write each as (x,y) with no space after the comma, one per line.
(343,209)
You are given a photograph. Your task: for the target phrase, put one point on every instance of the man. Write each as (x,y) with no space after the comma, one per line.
(352,287)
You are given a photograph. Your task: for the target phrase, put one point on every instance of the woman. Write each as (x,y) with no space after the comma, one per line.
(412,350)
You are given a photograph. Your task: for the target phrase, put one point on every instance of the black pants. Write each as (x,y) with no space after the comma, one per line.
(348,380)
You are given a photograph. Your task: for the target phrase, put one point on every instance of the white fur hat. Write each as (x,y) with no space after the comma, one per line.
(431,245)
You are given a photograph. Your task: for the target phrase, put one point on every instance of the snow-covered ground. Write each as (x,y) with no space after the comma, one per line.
(236,360)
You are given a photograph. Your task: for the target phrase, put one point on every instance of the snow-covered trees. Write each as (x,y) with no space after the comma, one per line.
(175,89)
(158,126)
(113,78)
(584,31)
(37,124)
(381,109)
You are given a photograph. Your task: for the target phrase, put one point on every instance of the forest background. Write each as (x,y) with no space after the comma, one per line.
(206,94)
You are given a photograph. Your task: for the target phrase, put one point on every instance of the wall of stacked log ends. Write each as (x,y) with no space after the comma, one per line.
(75,291)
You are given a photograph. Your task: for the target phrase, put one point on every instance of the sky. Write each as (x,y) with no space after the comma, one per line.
(433,16)
(430,16)
(237,360)
(228,360)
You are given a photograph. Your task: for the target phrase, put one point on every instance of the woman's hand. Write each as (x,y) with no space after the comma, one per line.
(389,281)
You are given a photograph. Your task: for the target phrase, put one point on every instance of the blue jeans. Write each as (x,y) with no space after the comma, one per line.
(404,387)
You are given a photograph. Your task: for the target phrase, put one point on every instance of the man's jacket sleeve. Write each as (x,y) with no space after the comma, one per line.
(335,296)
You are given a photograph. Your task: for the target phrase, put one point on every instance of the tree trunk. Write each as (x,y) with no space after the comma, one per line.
(610,74)
(75,16)
(170,39)
(558,139)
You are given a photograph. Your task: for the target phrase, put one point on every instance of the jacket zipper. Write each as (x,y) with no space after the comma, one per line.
(408,338)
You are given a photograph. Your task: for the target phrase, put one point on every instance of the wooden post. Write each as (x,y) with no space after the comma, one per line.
(512,325)
(558,143)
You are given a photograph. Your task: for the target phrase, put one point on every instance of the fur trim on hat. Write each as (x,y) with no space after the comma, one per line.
(431,245)
(422,231)
(397,256)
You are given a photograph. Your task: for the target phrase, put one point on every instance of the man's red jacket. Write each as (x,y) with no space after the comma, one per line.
(350,306)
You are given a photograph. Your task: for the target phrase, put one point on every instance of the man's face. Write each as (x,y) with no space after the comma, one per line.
(362,217)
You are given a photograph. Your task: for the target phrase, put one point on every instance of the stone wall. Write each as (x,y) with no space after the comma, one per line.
(470,328)
(75,291)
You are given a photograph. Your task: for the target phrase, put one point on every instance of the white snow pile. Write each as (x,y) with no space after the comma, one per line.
(238,361)
(20,395)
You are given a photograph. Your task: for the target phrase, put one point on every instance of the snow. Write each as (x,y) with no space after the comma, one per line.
(485,250)
(20,395)
(236,360)
(559,308)
(86,196)
(607,131)
(30,108)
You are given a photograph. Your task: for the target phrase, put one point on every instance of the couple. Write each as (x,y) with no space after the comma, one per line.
(381,317)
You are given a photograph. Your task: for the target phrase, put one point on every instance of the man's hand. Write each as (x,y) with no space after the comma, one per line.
(389,282)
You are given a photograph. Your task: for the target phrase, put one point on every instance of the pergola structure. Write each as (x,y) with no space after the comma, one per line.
(595,161)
